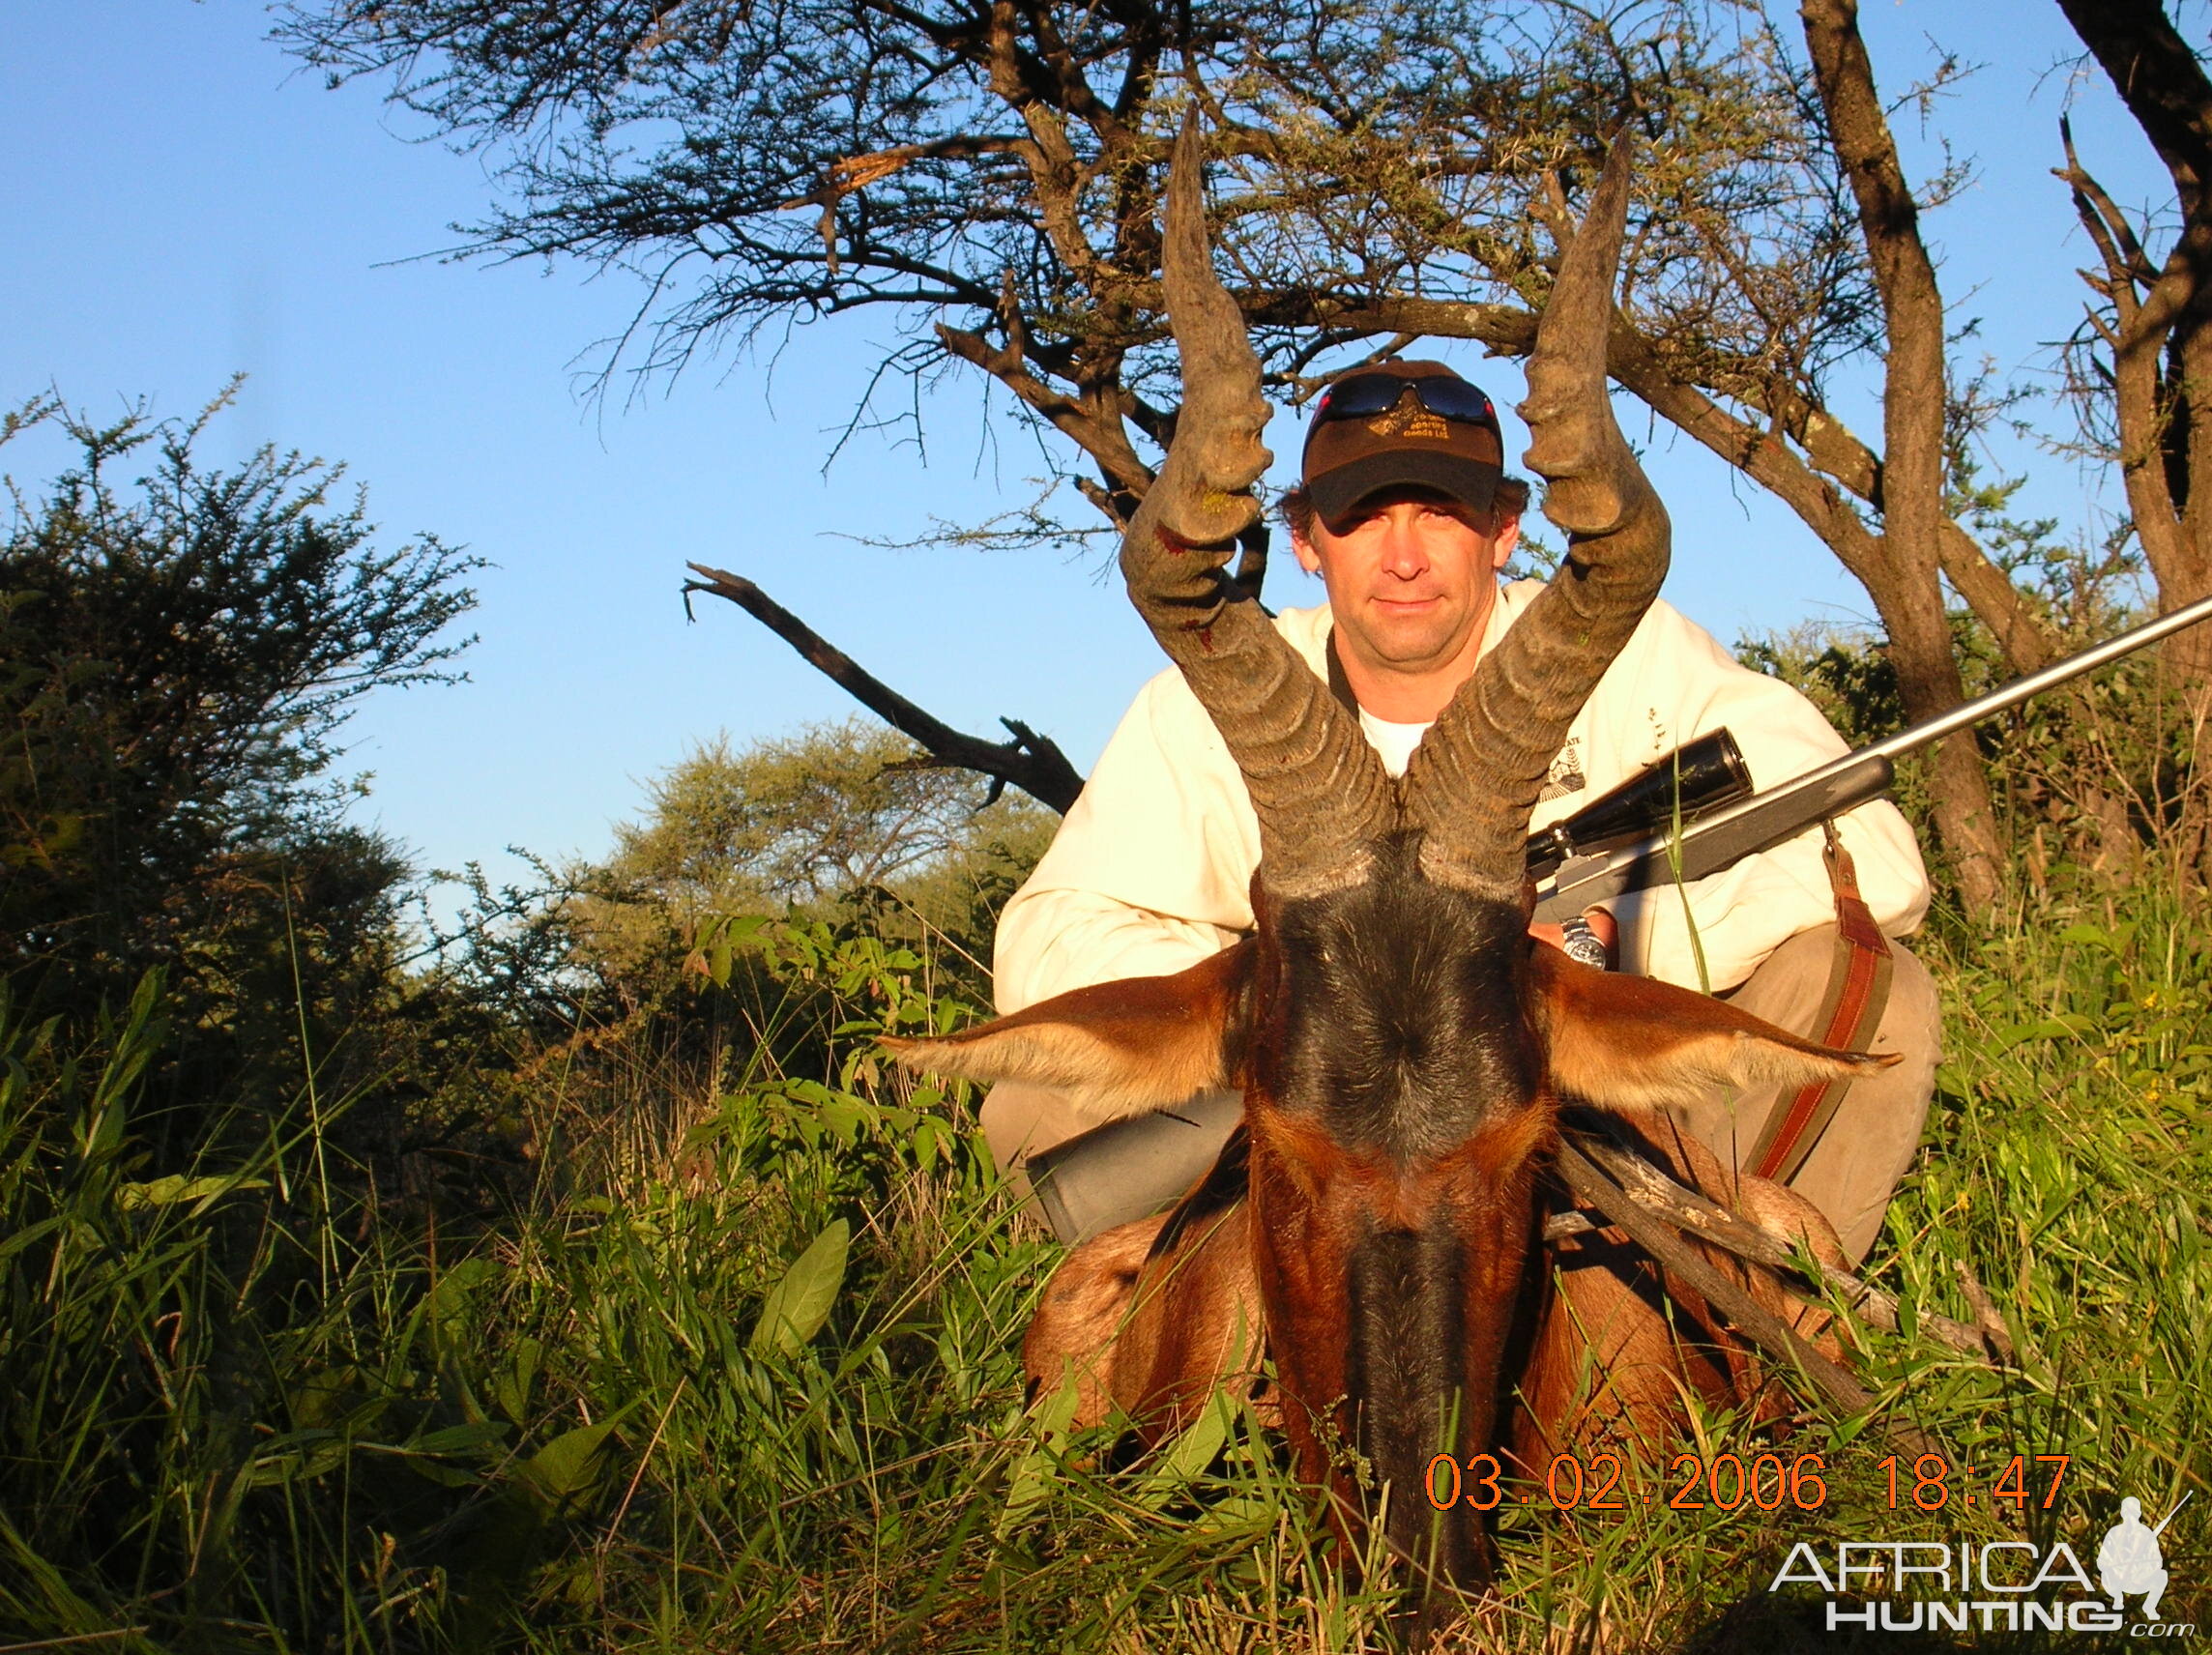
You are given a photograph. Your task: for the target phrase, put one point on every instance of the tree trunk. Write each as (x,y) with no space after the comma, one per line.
(1905,578)
(2163,355)
(1910,606)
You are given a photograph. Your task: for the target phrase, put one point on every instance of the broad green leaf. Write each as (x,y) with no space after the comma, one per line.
(846,1117)
(1239,1511)
(450,1298)
(2072,1025)
(304,1457)
(567,1471)
(796,1307)
(1189,1454)
(329,1397)
(512,1390)
(29,1234)
(2094,935)
(459,1438)
(743,930)
(177,1189)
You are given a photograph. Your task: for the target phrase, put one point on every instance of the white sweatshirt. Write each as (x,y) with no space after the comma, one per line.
(1151,871)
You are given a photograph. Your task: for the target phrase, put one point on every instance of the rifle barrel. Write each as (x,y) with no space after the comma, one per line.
(2027,688)
(2172,1515)
(1790,807)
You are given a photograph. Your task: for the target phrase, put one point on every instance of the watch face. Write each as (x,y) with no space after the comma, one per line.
(1581,943)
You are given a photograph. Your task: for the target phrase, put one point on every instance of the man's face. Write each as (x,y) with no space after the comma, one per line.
(1411,577)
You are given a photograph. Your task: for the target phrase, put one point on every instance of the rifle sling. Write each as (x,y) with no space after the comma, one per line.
(1859,994)
(1339,686)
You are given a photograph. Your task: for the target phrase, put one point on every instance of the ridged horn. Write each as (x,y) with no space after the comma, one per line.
(1317,788)
(1474,778)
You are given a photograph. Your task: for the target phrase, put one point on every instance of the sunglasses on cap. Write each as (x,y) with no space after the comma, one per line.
(1363,395)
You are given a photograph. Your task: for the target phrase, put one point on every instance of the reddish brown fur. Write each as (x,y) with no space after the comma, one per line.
(1197,1321)
(1079,1320)
(1157,1356)
(1312,1203)
(1134,1044)
(1608,1362)
(1638,1042)
(1606,1359)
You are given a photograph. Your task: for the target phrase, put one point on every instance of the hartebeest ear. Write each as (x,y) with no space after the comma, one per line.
(1627,1042)
(1137,1044)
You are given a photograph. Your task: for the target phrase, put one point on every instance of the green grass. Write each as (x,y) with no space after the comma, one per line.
(278,1409)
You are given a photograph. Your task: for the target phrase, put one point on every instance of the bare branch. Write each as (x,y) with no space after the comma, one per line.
(2161,80)
(1030,762)
(1695,1215)
(2126,264)
(1761,1325)
(1100,433)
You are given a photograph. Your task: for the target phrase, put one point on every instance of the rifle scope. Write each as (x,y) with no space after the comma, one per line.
(1703,775)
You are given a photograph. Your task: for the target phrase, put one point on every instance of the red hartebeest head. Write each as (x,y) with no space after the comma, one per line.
(1399,1043)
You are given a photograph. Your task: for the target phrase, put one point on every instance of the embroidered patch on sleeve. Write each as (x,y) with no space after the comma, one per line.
(1566,776)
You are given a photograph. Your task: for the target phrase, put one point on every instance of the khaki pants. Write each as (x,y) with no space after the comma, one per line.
(1850,1175)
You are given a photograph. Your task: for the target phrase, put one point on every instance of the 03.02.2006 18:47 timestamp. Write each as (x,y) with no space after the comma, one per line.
(1769,1481)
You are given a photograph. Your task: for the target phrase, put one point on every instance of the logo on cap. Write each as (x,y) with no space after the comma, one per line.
(1408,418)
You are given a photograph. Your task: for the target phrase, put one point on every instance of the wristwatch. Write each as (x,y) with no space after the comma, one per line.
(1581,943)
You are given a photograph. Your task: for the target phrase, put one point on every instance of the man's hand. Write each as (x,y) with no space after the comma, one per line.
(1601,927)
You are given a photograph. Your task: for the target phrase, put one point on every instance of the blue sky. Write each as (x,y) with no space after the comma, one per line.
(183,203)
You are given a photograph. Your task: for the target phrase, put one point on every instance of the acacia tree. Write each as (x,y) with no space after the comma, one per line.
(800,819)
(992,169)
(2142,365)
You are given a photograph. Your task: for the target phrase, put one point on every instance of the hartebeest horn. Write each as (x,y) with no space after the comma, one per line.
(1319,792)
(1474,777)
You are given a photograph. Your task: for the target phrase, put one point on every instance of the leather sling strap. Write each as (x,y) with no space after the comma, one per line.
(1858,993)
(1339,686)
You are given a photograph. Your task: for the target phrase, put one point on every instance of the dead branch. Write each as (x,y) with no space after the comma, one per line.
(1781,1342)
(1092,426)
(1985,1315)
(1030,762)
(1694,1216)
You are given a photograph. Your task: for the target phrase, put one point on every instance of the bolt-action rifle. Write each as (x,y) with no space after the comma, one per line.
(1721,832)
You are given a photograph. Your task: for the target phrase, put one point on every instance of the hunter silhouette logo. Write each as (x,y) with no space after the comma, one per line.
(2129,1562)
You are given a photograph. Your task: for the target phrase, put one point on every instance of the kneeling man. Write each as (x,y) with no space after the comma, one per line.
(1407,514)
